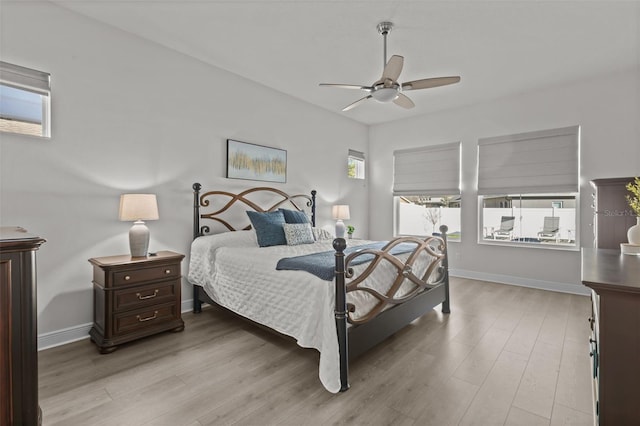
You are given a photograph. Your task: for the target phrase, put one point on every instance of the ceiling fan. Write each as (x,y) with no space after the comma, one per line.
(387,88)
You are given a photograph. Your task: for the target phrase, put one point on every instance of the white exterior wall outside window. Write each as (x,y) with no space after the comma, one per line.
(426,189)
(25,106)
(528,189)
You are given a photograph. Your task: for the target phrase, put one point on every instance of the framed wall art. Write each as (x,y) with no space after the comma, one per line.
(256,162)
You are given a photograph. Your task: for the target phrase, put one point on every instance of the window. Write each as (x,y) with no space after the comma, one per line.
(422,215)
(24,100)
(530,218)
(426,189)
(528,188)
(355,163)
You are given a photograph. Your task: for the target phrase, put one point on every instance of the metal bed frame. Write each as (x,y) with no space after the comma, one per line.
(392,312)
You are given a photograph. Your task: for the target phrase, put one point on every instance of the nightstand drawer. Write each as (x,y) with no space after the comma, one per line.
(130,322)
(145,295)
(145,274)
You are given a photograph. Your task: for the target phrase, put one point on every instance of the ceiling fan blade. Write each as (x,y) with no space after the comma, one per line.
(356,103)
(427,83)
(404,101)
(346,86)
(393,68)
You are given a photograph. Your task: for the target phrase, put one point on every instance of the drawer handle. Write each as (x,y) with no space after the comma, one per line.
(155,314)
(127,277)
(150,296)
(167,271)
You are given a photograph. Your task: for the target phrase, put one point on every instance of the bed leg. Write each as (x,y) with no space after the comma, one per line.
(446,309)
(340,312)
(197,304)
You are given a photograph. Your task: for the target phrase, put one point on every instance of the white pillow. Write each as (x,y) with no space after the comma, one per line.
(298,233)
(322,234)
(229,239)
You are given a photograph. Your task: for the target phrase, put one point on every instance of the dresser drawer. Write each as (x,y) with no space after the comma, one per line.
(142,319)
(146,274)
(145,295)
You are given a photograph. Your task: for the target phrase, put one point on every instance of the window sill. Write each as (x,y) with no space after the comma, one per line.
(534,245)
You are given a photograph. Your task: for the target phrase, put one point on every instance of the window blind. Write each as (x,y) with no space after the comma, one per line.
(356,154)
(430,170)
(25,78)
(539,162)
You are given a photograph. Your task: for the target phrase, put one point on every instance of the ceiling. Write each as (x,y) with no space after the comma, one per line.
(499,48)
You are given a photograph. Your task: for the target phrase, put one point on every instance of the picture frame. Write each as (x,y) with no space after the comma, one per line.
(249,161)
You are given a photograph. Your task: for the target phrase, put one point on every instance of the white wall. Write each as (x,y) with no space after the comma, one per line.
(129,116)
(606,108)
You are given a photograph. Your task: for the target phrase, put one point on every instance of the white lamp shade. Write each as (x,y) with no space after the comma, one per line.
(341,212)
(138,207)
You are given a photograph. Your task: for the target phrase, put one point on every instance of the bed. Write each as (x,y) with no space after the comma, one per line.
(337,296)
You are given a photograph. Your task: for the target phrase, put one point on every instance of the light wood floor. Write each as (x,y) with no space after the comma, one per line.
(505,355)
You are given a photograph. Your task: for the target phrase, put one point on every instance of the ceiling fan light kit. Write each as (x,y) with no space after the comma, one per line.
(387,89)
(385,94)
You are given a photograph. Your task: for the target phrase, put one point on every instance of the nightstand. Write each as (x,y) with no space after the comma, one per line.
(135,297)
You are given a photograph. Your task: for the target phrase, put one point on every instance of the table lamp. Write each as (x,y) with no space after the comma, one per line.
(138,208)
(340,212)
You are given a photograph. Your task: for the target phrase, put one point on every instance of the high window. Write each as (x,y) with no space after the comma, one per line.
(528,188)
(426,189)
(355,164)
(24,100)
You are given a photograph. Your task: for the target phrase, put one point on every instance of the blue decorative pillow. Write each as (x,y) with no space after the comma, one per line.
(298,233)
(269,228)
(294,216)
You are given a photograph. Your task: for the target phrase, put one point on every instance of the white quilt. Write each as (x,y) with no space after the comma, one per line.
(242,277)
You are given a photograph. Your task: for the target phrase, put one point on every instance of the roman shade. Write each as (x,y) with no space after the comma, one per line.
(25,78)
(356,155)
(430,170)
(539,162)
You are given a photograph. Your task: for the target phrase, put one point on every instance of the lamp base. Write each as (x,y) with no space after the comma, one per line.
(340,228)
(139,239)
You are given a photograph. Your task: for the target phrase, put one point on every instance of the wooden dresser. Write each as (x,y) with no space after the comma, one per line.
(18,328)
(614,279)
(135,297)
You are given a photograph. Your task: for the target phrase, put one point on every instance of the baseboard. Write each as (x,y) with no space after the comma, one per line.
(522,282)
(80,332)
(64,336)
(187,306)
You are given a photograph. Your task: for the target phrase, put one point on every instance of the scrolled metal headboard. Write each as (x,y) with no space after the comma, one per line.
(203,200)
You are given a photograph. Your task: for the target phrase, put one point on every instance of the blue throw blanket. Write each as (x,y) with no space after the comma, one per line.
(323,265)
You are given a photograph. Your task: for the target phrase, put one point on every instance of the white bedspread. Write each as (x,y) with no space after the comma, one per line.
(242,277)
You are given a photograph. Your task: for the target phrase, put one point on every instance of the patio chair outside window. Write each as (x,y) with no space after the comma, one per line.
(506,228)
(550,229)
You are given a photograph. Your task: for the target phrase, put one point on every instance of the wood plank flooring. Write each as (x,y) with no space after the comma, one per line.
(505,355)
